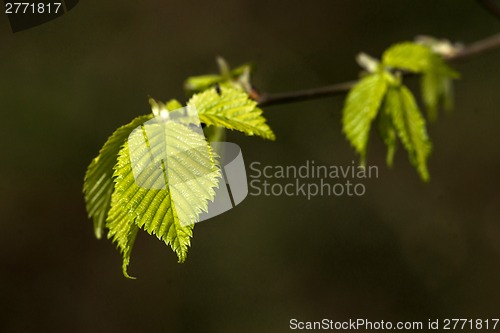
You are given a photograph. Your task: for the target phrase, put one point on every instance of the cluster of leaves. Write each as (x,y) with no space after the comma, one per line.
(381,96)
(116,202)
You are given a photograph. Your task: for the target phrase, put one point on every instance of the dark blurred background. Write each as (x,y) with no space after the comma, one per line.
(404,251)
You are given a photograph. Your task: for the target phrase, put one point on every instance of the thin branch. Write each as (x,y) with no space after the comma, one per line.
(476,48)
(302,95)
(491,6)
(469,51)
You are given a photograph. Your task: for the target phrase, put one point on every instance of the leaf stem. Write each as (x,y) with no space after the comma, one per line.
(469,51)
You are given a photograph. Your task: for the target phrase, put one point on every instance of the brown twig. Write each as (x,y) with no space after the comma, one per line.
(469,51)
(476,48)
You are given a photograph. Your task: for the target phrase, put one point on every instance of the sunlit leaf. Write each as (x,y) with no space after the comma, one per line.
(387,131)
(98,183)
(437,87)
(410,127)
(177,178)
(232,109)
(408,56)
(361,107)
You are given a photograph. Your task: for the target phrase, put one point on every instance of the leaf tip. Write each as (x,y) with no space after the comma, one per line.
(181,258)
(98,233)
(425,176)
(125,270)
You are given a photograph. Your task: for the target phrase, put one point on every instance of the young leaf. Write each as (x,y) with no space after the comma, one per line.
(98,183)
(436,86)
(387,131)
(122,231)
(410,127)
(408,56)
(173,104)
(432,87)
(232,109)
(362,104)
(176,180)
(226,78)
(199,83)
(436,74)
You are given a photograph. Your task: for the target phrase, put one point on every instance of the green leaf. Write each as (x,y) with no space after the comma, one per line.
(232,109)
(432,86)
(362,104)
(436,74)
(122,231)
(173,104)
(202,82)
(408,56)
(176,178)
(226,78)
(436,87)
(387,131)
(410,127)
(98,183)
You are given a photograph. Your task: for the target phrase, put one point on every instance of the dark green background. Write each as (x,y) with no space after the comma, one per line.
(404,251)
